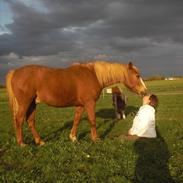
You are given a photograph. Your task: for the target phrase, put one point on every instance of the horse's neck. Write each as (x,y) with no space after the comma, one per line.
(109,74)
(109,83)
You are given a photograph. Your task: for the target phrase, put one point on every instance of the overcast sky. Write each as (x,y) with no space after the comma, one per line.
(59,32)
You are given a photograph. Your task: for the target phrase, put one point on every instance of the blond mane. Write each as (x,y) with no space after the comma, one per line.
(109,73)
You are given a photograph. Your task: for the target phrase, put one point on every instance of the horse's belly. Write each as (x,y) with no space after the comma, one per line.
(56,100)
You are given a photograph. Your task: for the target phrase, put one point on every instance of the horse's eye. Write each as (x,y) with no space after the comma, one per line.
(138,76)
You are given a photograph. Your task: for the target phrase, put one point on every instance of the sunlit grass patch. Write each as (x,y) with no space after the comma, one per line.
(109,160)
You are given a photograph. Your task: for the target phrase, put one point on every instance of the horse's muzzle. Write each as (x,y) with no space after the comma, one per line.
(143,93)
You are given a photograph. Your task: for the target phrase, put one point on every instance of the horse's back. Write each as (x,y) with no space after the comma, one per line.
(58,87)
(28,75)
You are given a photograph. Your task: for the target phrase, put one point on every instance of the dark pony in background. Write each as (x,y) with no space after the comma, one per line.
(79,85)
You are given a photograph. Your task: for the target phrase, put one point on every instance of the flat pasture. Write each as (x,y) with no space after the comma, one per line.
(111,159)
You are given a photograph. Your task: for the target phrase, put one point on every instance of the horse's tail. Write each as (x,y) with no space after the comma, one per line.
(12,99)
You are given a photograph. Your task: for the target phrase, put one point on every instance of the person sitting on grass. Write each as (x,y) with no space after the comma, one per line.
(144,121)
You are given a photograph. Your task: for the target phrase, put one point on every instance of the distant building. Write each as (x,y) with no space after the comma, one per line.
(172,78)
(109,90)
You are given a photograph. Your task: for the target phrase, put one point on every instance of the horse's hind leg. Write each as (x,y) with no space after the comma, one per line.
(19,119)
(30,117)
(90,108)
(77,116)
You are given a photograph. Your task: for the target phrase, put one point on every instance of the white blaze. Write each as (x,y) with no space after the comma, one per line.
(143,83)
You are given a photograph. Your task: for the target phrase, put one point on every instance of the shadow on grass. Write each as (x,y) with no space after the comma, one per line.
(55,135)
(106,113)
(109,129)
(83,134)
(131,110)
(104,134)
(109,113)
(152,162)
(109,118)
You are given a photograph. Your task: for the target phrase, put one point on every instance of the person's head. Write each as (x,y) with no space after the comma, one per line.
(150,99)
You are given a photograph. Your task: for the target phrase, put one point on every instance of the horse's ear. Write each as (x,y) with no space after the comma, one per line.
(130,65)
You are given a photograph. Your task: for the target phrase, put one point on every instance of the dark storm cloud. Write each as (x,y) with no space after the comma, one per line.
(33,30)
(105,22)
(160,20)
(59,31)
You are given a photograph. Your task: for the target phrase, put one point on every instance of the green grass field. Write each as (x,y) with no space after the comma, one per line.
(157,160)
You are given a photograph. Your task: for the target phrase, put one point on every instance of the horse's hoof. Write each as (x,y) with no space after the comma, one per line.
(41,143)
(73,138)
(97,139)
(22,145)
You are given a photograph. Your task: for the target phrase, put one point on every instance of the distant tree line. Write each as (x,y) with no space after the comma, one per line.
(151,78)
(158,77)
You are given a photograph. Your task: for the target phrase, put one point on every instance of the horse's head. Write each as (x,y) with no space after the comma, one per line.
(133,80)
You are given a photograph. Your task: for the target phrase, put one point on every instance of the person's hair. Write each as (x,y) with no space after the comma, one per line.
(153,100)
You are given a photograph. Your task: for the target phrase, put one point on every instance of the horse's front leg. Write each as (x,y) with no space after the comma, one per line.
(77,116)
(90,108)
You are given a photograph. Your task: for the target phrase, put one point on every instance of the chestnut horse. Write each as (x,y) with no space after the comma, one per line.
(79,85)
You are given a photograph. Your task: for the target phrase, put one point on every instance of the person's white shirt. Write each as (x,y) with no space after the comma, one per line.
(144,122)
